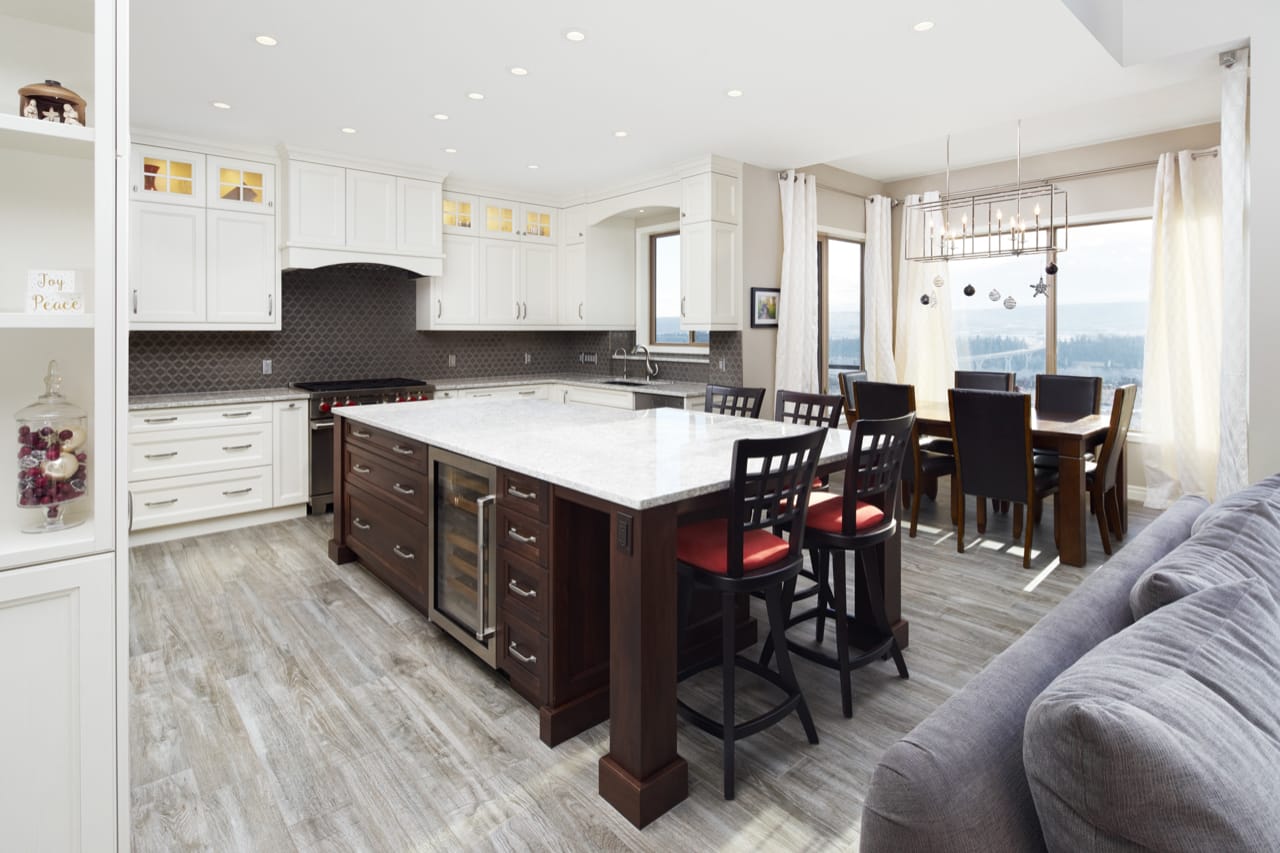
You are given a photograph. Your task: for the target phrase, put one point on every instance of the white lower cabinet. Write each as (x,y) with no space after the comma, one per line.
(175,452)
(598,397)
(58,776)
(528,392)
(291,457)
(196,497)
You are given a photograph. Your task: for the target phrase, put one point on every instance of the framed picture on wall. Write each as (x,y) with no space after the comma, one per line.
(764,306)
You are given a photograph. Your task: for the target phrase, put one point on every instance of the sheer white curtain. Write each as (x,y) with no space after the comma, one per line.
(926,349)
(1233,419)
(877,292)
(796,366)
(1182,363)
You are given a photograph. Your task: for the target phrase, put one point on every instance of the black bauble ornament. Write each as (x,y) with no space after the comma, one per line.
(1051,268)
(925,300)
(969,290)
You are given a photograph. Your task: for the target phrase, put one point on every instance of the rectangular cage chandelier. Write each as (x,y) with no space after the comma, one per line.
(1002,222)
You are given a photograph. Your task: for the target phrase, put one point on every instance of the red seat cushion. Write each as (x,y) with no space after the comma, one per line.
(826,513)
(705,545)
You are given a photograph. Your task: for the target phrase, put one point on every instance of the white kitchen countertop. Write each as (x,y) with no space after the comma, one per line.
(634,459)
(141,402)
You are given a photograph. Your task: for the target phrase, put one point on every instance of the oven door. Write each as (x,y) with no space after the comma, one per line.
(321,465)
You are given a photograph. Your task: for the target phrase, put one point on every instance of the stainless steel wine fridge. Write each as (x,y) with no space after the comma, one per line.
(463,591)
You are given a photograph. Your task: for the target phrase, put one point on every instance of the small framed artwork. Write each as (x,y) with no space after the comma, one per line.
(764,306)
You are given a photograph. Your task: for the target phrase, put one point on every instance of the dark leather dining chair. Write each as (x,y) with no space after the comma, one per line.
(1102,476)
(733,400)
(846,379)
(985,380)
(1064,396)
(992,435)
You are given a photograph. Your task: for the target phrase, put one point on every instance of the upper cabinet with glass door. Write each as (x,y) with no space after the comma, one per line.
(166,175)
(511,220)
(241,185)
(461,214)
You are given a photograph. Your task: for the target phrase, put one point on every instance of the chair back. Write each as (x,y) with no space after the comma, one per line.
(1117,434)
(986,380)
(873,469)
(797,407)
(881,400)
(1073,396)
(846,380)
(992,435)
(769,487)
(731,400)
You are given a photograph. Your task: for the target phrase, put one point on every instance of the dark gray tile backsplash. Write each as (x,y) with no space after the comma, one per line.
(358,321)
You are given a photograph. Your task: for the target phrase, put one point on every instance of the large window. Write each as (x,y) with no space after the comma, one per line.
(840,286)
(664,293)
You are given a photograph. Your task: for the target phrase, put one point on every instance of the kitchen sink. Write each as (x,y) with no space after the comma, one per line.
(636,383)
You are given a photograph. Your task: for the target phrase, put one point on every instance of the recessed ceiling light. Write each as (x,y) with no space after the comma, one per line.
(734,93)
(475,96)
(641,210)
(222,105)
(348,130)
(440,117)
(619,133)
(266,41)
(533,165)
(575,35)
(451,150)
(923,26)
(518,71)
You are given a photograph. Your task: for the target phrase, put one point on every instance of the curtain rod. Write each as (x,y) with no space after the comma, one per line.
(896,202)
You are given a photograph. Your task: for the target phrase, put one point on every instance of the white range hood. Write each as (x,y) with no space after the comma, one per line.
(310,258)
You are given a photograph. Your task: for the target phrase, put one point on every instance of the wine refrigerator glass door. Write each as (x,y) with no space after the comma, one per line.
(463,591)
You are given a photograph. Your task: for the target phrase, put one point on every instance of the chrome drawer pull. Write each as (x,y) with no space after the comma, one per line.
(358,434)
(169,455)
(363,525)
(511,650)
(526,393)
(359,469)
(231,493)
(161,503)
(402,554)
(523,593)
(525,540)
(404,490)
(524,496)
(236,414)
(234,447)
(167,420)
(403,451)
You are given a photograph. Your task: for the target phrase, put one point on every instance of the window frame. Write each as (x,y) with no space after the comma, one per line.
(646,317)
(824,319)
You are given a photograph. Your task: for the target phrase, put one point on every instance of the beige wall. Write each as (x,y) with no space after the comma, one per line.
(761,267)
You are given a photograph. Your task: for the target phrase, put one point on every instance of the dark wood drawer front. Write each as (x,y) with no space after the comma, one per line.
(390,544)
(412,454)
(522,494)
(523,657)
(401,487)
(523,536)
(523,592)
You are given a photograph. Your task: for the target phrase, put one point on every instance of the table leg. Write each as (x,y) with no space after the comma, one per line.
(642,775)
(1070,506)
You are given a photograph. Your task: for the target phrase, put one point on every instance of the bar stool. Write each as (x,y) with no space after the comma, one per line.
(769,485)
(859,520)
(733,400)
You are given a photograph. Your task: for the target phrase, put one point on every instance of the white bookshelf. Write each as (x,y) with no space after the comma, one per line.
(43,137)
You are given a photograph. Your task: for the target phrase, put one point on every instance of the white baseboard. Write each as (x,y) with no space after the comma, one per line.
(215,525)
(1138,494)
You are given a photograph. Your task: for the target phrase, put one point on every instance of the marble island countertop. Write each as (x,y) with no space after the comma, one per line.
(658,386)
(140,402)
(637,459)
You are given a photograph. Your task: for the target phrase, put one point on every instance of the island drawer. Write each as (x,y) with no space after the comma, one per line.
(523,590)
(389,543)
(411,454)
(522,536)
(404,489)
(522,494)
(522,655)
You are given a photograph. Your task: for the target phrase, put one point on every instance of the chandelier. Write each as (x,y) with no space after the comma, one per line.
(1000,222)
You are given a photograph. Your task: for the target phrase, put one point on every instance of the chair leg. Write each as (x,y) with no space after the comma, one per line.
(777,628)
(1100,513)
(728,653)
(956,500)
(959,518)
(1017,520)
(875,595)
(931,488)
(982,515)
(1112,500)
(1038,511)
(842,634)
(915,507)
(821,560)
(1026,545)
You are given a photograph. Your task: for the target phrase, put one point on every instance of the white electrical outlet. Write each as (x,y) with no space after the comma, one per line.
(527,358)
(266,367)
(453,360)
(722,364)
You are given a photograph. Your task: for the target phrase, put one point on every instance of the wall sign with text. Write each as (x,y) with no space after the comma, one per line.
(53,292)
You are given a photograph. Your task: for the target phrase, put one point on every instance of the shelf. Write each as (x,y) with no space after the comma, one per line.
(14,320)
(24,549)
(45,137)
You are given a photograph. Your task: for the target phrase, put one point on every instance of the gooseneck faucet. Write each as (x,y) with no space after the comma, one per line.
(621,352)
(650,369)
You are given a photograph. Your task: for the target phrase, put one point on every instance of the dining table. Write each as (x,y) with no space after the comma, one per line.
(1073,438)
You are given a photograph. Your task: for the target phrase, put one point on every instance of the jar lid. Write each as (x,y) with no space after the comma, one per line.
(50,405)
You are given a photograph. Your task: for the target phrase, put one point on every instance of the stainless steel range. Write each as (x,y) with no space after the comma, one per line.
(327,396)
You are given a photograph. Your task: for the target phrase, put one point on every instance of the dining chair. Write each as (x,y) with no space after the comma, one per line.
(992,435)
(985,380)
(858,521)
(769,486)
(733,400)
(798,407)
(846,379)
(1102,476)
(1066,397)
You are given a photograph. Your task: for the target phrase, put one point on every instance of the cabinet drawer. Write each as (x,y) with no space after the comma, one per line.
(404,489)
(411,454)
(171,453)
(522,590)
(522,655)
(390,544)
(150,420)
(523,536)
(599,397)
(173,500)
(522,494)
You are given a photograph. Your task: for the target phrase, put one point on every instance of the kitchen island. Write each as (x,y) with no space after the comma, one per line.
(606,487)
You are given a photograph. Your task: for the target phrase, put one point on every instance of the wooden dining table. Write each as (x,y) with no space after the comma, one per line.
(1072,438)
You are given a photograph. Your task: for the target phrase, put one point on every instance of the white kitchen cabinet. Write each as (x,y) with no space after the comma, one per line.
(539,267)
(199,497)
(418,217)
(452,299)
(241,268)
(710,276)
(371,211)
(500,288)
(509,220)
(609,397)
(461,214)
(167,273)
(166,175)
(291,459)
(573,285)
(515,392)
(175,452)
(574,224)
(241,185)
(317,212)
(710,195)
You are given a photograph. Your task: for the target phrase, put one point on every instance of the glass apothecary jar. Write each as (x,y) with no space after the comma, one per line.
(52,461)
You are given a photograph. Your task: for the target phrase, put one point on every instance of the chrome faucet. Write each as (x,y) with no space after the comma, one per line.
(622,351)
(650,369)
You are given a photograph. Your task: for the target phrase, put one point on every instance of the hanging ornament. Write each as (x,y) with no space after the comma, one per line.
(1010,303)
(925,299)
(994,295)
(1051,268)
(969,290)
(938,281)
(1040,288)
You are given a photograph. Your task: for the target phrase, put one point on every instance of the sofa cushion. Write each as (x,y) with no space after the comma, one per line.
(1240,539)
(1166,736)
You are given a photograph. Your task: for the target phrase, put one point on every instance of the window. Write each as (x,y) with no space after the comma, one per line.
(664,294)
(840,295)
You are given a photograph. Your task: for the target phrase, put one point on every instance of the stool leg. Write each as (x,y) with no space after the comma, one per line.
(684,603)
(728,653)
(842,635)
(875,594)
(777,628)
(821,568)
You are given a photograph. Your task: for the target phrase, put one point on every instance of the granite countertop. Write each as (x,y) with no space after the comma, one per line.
(659,386)
(634,459)
(214,398)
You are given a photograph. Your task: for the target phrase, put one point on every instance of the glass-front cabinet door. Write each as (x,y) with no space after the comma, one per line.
(500,219)
(166,175)
(460,214)
(241,185)
(463,594)
(538,224)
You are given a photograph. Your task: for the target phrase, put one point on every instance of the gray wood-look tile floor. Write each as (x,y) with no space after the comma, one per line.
(280,702)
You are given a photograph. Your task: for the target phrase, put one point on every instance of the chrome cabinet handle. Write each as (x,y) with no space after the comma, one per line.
(236,414)
(403,451)
(230,493)
(525,305)
(517,309)
(319,425)
(404,555)
(358,434)
(524,496)
(169,455)
(135,300)
(161,503)
(233,447)
(580,311)
(361,524)
(439,308)
(512,533)
(271,305)
(523,593)
(481,395)
(360,469)
(483,631)
(404,490)
(167,420)
(682,314)
(526,393)
(511,650)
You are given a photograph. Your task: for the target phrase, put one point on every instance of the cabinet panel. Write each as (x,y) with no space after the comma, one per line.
(573,285)
(371,211)
(461,214)
(574,224)
(499,219)
(709,195)
(599,397)
(538,224)
(418,216)
(194,497)
(166,175)
(695,275)
(241,185)
(166,263)
(317,204)
(171,453)
(538,301)
(726,277)
(291,461)
(452,299)
(241,267)
(151,420)
(500,282)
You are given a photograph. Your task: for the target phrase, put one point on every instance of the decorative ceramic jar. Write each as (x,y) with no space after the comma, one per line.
(52,460)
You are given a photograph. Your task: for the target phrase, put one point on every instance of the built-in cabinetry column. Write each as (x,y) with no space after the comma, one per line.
(711,250)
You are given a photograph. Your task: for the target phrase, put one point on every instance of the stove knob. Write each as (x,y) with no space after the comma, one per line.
(349,403)
(335,404)
(399,399)
(324,406)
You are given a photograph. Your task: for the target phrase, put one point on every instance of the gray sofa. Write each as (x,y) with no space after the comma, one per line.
(1098,732)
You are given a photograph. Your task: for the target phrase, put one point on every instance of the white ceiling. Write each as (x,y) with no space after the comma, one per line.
(848,83)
